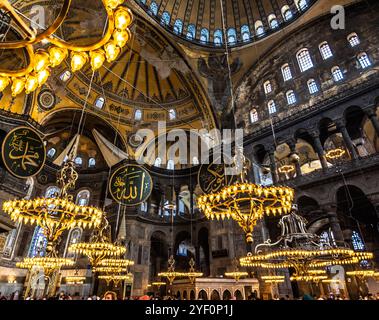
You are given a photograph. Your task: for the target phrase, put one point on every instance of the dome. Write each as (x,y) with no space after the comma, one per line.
(246,21)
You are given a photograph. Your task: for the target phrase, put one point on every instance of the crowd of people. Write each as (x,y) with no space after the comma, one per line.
(111,295)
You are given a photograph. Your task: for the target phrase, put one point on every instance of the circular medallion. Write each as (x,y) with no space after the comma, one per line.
(23,152)
(130,185)
(46,99)
(212,178)
(135,140)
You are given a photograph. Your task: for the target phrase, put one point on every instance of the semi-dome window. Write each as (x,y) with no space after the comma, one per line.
(82,198)
(353,39)
(267,87)
(291,97)
(286,71)
(178,26)
(172,114)
(51,153)
(191,32)
(302,5)
(312,86)
(78,161)
(65,76)
(304,59)
(325,50)
(204,35)
(337,74)
(138,115)
(232,36)
(170,165)
(92,162)
(158,162)
(287,13)
(153,8)
(195,161)
(254,116)
(245,32)
(99,103)
(273,21)
(364,60)
(271,107)
(217,37)
(165,19)
(259,29)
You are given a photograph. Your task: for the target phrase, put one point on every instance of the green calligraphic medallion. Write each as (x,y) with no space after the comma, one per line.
(23,152)
(130,185)
(212,178)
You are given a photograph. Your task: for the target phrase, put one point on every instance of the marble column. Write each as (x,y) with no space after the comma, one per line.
(292,145)
(319,148)
(341,126)
(371,113)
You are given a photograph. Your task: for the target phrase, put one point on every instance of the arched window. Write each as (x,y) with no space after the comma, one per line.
(357,242)
(286,71)
(153,9)
(158,162)
(287,13)
(99,103)
(254,116)
(337,74)
(51,153)
(312,86)
(78,161)
(304,59)
(144,206)
(195,161)
(267,87)
(245,33)
(170,165)
(138,115)
(74,237)
(165,19)
(204,35)
(364,60)
(91,162)
(178,26)
(232,36)
(52,192)
(217,37)
(65,76)
(273,21)
(38,244)
(191,32)
(271,107)
(325,50)
(327,238)
(353,39)
(82,198)
(259,29)
(172,114)
(291,97)
(302,5)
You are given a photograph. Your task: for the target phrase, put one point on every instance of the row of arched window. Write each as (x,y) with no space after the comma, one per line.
(78,160)
(171,163)
(305,63)
(218,36)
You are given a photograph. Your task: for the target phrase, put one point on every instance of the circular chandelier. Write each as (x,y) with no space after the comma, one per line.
(48,264)
(236,275)
(363,273)
(55,215)
(109,269)
(158,284)
(99,247)
(53,50)
(301,250)
(192,274)
(246,203)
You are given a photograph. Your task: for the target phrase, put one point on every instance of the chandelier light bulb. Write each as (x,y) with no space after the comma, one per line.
(31,84)
(4,82)
(121,37)
(78,60)
(42,77)
(42,60)
(18,85)
(123,18)
(113,4)
(57,55)
(111,51)
(97,59)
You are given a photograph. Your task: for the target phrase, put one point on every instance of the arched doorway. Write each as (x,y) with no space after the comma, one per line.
(192,295)
(185,295)
(226,295)
(203,251)
(203,295)
(158,253)
(238,295)
(215,295)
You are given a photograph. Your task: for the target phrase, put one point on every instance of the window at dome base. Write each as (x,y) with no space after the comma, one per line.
(337,74)
(287,13)
(191,32)
(273,21)
(232,36)
(364,60)
(153,9)
(245,32)
(178,26)
(217,38)
(353,40)
(312,86)
(204,36)
(271,107)
(165,19)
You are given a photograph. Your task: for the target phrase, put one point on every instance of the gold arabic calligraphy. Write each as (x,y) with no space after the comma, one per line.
(130,186)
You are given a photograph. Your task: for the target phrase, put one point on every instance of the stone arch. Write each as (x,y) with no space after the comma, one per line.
(215,295)
(226,295)
(238,294)
(202,295)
